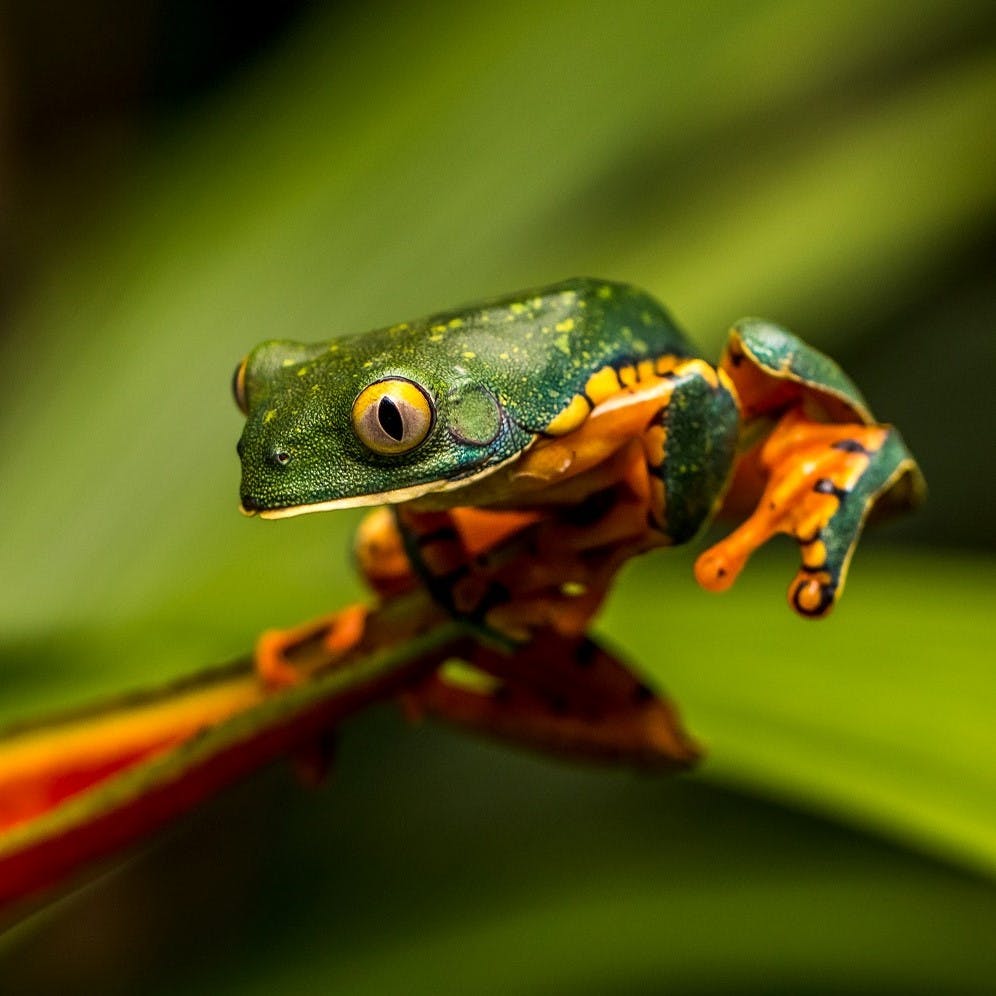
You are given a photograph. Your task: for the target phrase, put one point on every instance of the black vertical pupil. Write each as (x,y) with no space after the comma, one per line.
(390,419)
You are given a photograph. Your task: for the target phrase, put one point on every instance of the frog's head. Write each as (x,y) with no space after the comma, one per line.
(361,422)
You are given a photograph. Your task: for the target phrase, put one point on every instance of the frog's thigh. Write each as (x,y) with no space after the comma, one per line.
(567,696)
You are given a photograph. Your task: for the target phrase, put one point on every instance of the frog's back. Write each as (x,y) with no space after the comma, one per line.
(538,349)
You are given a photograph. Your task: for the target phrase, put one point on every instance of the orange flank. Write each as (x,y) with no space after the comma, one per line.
(482,530)
(512,557)
(552,468)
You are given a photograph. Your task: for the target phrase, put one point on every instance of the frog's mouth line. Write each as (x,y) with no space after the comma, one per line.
(396,497)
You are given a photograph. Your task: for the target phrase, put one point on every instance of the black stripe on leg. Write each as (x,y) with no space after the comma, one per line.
(496,594)
(849,446)
(450,578)
(652,523)
(447,533)
(658,418)
(825,486)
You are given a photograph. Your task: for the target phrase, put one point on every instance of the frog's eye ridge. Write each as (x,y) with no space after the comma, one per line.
(392,416)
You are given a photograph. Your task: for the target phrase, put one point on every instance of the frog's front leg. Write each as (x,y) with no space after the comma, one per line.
(817,474)
(564,566)
(563,695)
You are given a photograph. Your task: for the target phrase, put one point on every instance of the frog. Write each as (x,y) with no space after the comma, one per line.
(515,453)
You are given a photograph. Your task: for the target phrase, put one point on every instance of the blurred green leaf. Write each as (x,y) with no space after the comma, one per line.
(882,713)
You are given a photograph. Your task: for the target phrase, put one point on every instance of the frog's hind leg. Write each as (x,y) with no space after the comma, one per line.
(561,695)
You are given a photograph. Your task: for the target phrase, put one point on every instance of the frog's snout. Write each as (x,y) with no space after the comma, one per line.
(266,466)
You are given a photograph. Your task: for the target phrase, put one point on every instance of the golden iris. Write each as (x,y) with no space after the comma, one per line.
(392,416)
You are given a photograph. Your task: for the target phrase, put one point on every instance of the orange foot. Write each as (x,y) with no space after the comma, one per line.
(817,492)
(336,634)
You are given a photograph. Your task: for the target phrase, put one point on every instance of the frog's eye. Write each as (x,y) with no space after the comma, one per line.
(392,416)
(239,386)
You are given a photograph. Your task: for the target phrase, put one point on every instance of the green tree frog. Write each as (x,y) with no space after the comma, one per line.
(520,450)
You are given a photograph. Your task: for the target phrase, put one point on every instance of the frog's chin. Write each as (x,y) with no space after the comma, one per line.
(395,497)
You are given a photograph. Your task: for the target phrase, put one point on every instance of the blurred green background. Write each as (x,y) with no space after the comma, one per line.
(181,180)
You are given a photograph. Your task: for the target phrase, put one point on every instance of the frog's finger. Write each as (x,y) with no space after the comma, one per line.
(827,549)
(339,633)
(822,482)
